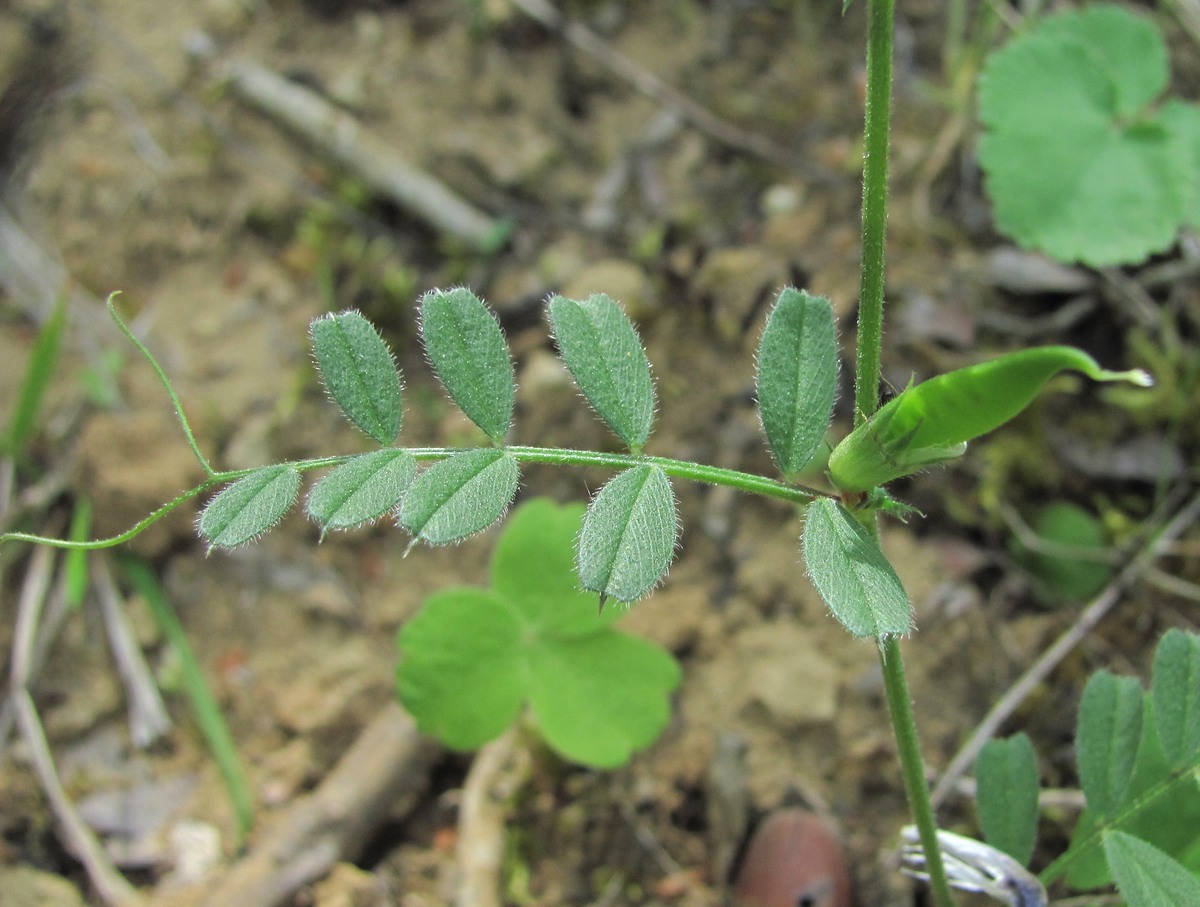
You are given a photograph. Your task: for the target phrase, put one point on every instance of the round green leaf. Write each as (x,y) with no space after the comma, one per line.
(854,578)
(628,535)
(461,672)
(359,373)
(1107,738)
(361,489)
(932,422)
(602,351)
(467,350)
(599,698)
(459,496)
(1006,781)
(1146,876)
(1067,574)
(797,377)
(249,507)
(1075,167)
(1182,120)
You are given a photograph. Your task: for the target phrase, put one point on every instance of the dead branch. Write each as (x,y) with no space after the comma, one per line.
(354,147)
(383,773)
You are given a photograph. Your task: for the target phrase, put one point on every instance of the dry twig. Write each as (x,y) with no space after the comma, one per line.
(381,774)
(500,769)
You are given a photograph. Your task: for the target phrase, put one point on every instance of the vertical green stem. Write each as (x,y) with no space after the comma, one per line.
(866,400)
(875,197)
(904,728)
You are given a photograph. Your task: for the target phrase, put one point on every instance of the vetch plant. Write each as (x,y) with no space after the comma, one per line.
(471,658)
(629,531)
(1138,755)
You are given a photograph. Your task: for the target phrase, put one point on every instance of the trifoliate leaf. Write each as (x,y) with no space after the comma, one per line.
(359,373)
(1006,783)
(1107,738)
(467,350)
(1147,877)
(628,536)
(1175,690)
(602,351)
(1076,164)
(471,657)
(249,507)
(797,377)
(459,496)
(931,422)
(851,573)
(361,489)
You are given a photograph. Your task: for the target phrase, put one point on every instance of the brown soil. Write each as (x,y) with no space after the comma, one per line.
(227,235)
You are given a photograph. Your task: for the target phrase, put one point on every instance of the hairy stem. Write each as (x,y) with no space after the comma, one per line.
(876,139)
(676,469)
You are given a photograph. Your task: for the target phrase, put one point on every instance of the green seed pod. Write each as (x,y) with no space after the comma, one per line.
(933,421)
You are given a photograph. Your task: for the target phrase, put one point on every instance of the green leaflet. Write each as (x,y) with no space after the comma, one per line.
(1146,876)
(628,535)
(467,350)
(602,351)
(797,377)
(361,489)
(932,422)
(851,573)
(471,657)
(1175,692)
(459,496)
(359,372)
(1107,739)
(249,507)
(1006,784)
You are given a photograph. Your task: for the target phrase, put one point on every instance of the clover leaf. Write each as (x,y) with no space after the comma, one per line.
(471,658)
(1079,164)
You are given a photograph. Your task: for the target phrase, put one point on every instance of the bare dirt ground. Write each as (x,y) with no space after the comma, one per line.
(227,234)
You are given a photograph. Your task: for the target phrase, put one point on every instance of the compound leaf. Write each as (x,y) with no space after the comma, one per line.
(471,657)
(1006,777)
(1076,166)
(602,351)
(1175,692)
(1146,876)
(932,422)
(249,507)
(459,496)
(361,489)
(359,373)
(467,350)
(628,535)
(851,573)
(797,377)
(1107,738)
